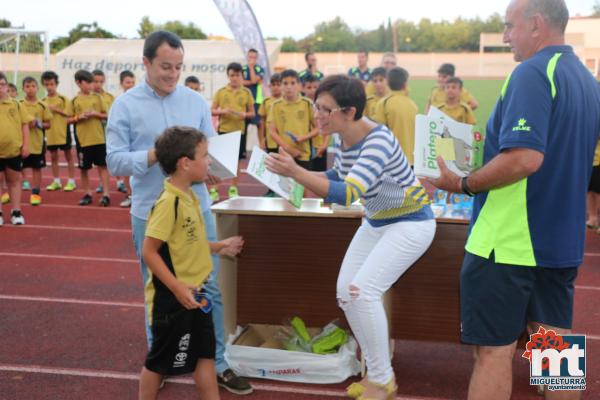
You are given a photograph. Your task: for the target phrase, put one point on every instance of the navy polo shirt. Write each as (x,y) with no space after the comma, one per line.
(550,103)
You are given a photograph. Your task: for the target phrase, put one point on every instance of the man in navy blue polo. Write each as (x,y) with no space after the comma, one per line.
(527,232)
(362,71)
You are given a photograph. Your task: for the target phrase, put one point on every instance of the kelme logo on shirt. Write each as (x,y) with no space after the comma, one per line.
(521,126)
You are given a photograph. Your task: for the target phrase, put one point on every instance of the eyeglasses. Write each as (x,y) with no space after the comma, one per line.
(326,111)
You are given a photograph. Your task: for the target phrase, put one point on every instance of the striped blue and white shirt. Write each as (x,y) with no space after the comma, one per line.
(376,171)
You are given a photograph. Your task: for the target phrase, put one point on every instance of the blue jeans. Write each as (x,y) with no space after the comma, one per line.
(138,228)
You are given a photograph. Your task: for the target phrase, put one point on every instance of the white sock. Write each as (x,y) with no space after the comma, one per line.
(72,181)
(57,180)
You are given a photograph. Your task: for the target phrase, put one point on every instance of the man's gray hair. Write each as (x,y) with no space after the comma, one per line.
(555,12)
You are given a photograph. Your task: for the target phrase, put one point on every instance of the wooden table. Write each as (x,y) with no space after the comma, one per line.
(291,260)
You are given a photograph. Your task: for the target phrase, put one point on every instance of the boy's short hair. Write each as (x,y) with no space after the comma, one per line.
(456,80)
(446,69)
(310,78)
(379,71)
(275,78)
(84,76)
(307,54)
(12,86)
(156,39)
(346,91)
(29,79)
(176,142)
(3,77)
(192,79)
(290,73)
(365,51)
(125,74)
(235,67)
(49,76)
(397,78)
(98,72)
(252,51)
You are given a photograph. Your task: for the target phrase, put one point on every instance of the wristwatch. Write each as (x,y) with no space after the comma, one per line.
(465,187)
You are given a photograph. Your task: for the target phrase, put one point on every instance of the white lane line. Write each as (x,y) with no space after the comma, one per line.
(283,388)
(55,256)
(591,254)
(72,301)
(82,208)
(70,228)
(587,287)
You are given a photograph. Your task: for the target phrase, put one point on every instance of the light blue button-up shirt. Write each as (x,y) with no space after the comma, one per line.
(136,119)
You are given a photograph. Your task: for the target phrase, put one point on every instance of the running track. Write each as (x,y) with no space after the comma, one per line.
(71,315)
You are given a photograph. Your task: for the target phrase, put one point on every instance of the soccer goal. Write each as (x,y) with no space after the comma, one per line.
(23,51)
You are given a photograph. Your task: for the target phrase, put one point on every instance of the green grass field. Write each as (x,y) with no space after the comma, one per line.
(486,91)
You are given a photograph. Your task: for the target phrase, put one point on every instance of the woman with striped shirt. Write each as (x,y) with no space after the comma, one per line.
(397,229)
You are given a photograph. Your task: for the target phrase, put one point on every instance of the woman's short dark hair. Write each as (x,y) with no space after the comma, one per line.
(346,91)
(176,142)
(156,39)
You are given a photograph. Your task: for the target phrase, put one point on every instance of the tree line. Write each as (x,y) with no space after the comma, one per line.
(328,36)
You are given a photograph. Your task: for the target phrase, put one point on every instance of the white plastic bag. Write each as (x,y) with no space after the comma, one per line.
(292,366)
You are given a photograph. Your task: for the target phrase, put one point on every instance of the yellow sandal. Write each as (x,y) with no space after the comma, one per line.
(389,388)
(355,390)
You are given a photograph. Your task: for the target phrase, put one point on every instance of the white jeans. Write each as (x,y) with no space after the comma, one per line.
(375,259)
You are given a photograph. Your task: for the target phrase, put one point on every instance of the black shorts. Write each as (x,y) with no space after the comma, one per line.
(35,161)
(595,180)
(273,150)
(92,155)
(179,340)
(15,163)
(242,152)
(66,146)
(303,164)
(497,300)
(319,163)
(254,120)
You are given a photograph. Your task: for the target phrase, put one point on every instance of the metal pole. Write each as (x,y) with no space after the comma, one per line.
(17,58)
(46,50)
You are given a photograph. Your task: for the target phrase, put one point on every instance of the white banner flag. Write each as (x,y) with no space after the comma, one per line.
(246,31)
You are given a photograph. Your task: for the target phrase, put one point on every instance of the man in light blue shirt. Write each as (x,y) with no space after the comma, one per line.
(136,119)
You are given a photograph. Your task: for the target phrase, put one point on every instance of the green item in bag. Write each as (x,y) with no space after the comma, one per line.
(331,342)
(300,329)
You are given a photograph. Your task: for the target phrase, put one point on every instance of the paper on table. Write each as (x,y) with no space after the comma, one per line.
(287,188)
(224,151)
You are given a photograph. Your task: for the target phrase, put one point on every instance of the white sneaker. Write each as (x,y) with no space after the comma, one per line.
(1,219)
(126,203)
(16,218)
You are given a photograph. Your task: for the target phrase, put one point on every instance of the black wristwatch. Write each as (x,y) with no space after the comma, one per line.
(465,188)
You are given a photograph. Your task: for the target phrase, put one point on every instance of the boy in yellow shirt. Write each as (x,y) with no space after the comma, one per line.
(178,255)
(265,141)
(42,118)
(89,111)
(453,106)
(98,87)
(438,93)
(233,104)
(318,143)
(291,123)
(58,136)
(397,111)
(14,146)
(380,87)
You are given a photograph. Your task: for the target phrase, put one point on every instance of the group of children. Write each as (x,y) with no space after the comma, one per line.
(32,125)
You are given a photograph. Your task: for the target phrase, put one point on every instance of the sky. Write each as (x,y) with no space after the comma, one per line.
(277,18)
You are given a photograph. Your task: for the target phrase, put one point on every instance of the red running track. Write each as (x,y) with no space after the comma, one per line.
(72,316)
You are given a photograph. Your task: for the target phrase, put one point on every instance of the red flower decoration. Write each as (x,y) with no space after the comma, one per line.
(545,339)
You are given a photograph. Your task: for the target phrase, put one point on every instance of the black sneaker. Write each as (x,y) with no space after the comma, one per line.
(105,201)
(233,383)
(85,200)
